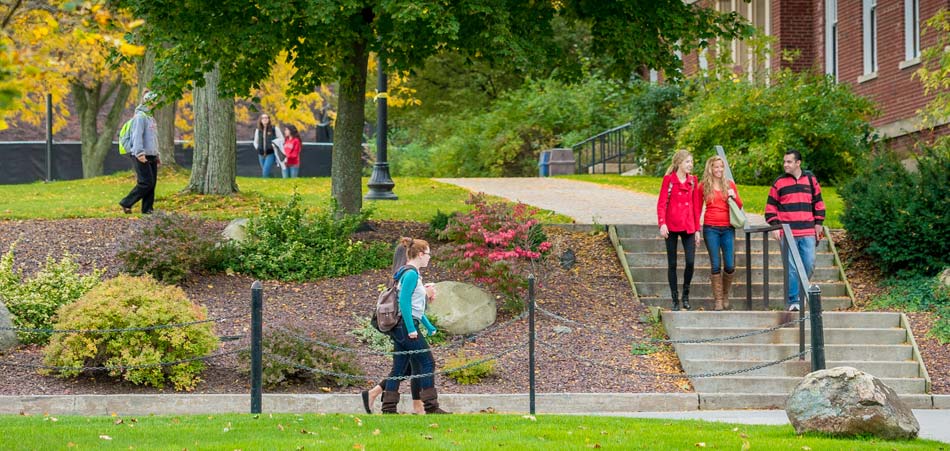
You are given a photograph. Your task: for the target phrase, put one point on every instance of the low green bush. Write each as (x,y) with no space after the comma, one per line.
(286,243)
(919,294)
(899,217)
(369,335)
(33,303)
(472,374)
(172,247)
(134,302)
(289,346)
(438,223)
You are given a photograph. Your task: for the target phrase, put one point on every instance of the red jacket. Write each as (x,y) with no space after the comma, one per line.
(292,150)
(679,204)
(717,210)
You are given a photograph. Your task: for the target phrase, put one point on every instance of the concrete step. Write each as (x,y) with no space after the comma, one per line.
(738,303)
(657,244)
(701,259)
(767,353)
(761,320)
(752,384)
(793,368)
(699,289)
(652,231)
(776,273)
(838,336)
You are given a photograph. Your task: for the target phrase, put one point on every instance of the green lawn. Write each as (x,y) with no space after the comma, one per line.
(343,432)
(753,196)
(419,198)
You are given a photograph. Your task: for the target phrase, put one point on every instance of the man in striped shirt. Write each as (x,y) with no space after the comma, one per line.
(795,199)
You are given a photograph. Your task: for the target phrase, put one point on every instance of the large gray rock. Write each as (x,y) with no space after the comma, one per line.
(462,308)
(236,230)
(7,337)
(945,278)
(844,401)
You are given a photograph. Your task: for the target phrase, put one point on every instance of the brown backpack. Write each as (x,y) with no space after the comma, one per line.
(387,315)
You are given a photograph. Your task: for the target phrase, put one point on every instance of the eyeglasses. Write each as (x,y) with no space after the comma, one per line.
(427,253)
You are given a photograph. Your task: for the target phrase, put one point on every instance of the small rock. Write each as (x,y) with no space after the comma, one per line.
(563,329)
(236,230)
(844,401)
(8,338)
(945,278)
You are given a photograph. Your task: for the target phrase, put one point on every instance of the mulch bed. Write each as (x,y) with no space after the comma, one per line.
(594,292)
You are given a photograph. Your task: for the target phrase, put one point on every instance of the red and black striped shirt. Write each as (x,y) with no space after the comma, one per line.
(796,202)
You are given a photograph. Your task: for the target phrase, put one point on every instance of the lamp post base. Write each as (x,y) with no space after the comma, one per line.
(381,184)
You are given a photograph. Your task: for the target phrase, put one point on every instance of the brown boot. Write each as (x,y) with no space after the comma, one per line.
(430,399)
(390,401)
(727,287)
(716,281)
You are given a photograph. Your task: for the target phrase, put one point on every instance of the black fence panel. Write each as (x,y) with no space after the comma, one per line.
(25,162)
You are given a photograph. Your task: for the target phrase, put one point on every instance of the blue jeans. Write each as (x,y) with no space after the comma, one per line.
(721,239)
(267,163)
(290,172)
(420,362)
(806,249)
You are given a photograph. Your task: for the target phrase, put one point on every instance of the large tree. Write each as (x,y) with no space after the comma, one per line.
(331,40)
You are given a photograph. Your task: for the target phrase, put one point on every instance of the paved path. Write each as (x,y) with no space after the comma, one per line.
(933,423)
(585,202)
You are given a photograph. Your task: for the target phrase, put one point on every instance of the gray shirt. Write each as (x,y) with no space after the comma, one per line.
(144,134)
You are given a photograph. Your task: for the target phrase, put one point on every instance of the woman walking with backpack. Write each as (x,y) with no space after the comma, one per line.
(719,233)
(677,212)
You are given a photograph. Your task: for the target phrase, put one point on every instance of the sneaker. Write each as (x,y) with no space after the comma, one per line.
(794,307)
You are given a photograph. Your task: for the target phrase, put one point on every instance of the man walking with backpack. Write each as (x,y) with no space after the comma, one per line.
(141,142)
(795,199)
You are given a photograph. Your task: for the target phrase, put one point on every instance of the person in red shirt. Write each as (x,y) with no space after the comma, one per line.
(292,151)
(677,213)
(719,234)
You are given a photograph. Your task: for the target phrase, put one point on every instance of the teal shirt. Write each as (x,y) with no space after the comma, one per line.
(410,278)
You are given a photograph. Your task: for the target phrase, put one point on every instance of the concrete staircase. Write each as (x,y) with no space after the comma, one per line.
(879,343)
(644,253)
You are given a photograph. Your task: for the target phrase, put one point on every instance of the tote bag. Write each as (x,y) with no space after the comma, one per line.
(737,217)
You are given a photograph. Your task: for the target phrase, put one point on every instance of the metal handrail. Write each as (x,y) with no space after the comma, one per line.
(610,144)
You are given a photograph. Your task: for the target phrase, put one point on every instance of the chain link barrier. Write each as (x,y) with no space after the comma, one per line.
(683,341)
(128,329)
(123,367)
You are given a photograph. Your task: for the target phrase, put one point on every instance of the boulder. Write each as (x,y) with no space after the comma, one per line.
(461,308)
(945,278)
(7,337)
(236,230)
(844,401)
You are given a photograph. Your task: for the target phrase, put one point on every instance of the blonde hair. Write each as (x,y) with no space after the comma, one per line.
(413,247)
(711,183)
(678,158)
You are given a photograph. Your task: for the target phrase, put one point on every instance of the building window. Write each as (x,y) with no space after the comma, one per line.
(831,38)
(911,29)
(870,36)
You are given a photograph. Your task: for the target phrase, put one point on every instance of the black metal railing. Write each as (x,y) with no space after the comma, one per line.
(612,147)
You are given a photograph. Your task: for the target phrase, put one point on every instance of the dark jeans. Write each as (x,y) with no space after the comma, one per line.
(146,175)
(721,239)
(689,246)
(420,362)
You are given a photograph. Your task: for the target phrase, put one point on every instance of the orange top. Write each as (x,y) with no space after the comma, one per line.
(717,210)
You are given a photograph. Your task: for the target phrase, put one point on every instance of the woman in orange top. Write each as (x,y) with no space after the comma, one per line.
(719,234)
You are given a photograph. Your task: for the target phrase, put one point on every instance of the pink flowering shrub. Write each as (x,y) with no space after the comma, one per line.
(494,243)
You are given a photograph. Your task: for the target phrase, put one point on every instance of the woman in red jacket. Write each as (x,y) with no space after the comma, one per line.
(719,233)
(677,213)
(292,151)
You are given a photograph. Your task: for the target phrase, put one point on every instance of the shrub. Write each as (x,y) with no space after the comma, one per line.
(919,294)
(652,118)
(33,303)
(134,302)
(438,223)
(171,247)
(286,243)
(900,217)
(366,333)
(489,242)
(472,374)
(288,345)
(757,123)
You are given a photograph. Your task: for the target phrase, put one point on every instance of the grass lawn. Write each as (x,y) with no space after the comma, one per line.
(753,197)
(419,198)
(314,431)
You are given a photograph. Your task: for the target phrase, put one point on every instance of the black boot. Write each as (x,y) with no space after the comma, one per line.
(430,399)
(676,300)
(390,401)
(686,297)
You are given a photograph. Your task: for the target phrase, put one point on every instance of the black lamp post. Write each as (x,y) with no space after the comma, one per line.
(380,183)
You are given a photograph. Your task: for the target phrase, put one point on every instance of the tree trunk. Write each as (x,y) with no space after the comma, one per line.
(96,145)
(164,116)
(215,159)
(346,169)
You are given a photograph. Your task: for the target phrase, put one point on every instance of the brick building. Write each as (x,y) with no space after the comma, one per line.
(873,45)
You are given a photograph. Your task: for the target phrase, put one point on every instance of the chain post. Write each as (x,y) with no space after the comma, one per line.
(817,329)
(257,307)
(531,381)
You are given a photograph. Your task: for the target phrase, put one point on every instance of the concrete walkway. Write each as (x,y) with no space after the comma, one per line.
(585,202)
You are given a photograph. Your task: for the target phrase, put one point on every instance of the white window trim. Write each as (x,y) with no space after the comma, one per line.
(869,37)
(911,29)
(831,38)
